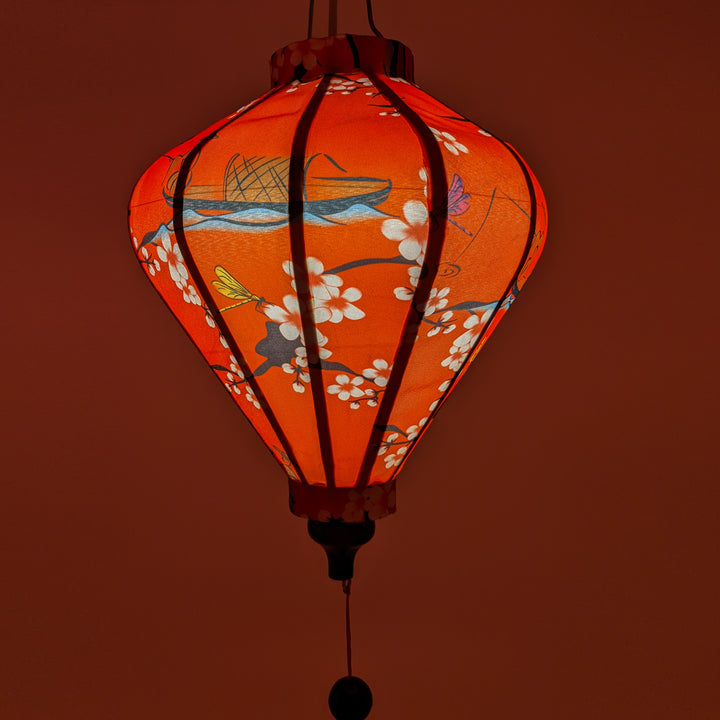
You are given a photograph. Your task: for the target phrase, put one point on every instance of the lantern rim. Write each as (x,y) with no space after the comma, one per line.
(313,57)
(342,504)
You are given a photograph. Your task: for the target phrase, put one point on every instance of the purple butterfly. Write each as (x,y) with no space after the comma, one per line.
(458,201)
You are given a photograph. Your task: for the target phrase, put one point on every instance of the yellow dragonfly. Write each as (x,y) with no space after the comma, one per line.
(228,286)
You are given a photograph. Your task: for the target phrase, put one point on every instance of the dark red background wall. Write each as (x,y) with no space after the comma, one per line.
(555,550)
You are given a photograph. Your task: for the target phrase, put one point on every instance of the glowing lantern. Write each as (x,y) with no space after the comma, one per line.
(339,250)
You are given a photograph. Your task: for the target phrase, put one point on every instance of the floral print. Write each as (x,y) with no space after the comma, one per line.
(379,373)
(346,388)
(443,323)
(354,284)
(436,301)
(320,282)
(250,397)
(151,264)
(169,252)
(411,234)
(458,354)
(190,295)
(329,304)
(301,376)
(301,55)
(449,141)
(473,329)
(347,86)
(289,318)
(337,306)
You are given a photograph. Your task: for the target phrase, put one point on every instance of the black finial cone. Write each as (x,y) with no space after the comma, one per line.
(350,699)
(341,540)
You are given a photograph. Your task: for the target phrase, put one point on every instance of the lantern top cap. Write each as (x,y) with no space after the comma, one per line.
(308,59)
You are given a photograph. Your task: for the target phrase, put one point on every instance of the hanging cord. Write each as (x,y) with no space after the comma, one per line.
(332,18)
(346,589)
(311,10)
(370,19)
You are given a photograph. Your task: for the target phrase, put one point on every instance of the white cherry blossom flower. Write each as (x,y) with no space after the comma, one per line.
(436,301)
(337,306)
(301,351)
(392,460)
(346,388)
(442,324)
(386,443)
(424,177)
(190,295)
(153,264)
(411,234)
(251,397)
(169,252)
(372,397)
(232,386)
(235,377)
(455,359)
(449,141)
(290,318)
(474,326)
(234,368)
(320,282)
(414,273)
(408,293)
(300,377)
(379,373)
(347,86)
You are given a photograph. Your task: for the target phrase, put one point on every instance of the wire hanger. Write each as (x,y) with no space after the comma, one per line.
(333,16)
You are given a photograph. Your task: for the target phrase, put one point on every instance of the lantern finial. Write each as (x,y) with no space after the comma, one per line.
(340,541)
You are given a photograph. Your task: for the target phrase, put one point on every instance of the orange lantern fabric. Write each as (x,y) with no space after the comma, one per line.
(340,250)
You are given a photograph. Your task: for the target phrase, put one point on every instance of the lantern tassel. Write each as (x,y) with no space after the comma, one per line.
(350,697)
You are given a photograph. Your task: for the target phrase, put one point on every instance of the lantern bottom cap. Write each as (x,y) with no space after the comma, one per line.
(341,504)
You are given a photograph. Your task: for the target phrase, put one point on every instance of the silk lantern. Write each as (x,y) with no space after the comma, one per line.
(340,250)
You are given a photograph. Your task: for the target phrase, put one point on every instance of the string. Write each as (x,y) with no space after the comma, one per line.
(370,19)
(310,18)
(332,18)
(346,589)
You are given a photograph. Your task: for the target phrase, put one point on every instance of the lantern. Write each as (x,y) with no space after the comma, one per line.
(339,250)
